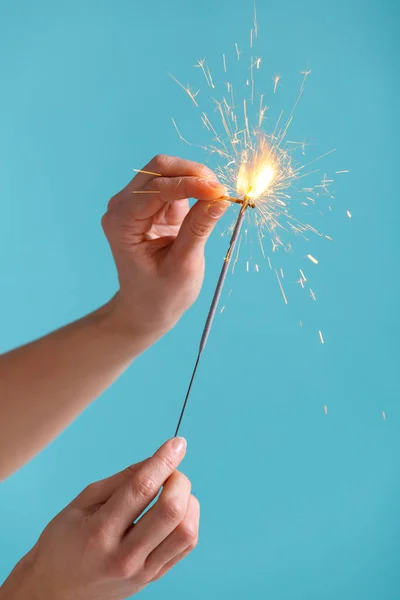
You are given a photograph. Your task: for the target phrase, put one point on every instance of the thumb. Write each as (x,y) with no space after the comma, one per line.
(197,227)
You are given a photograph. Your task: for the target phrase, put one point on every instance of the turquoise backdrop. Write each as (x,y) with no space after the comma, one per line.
(296,503)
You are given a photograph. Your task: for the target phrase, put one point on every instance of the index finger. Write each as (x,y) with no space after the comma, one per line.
(169,166)
(137,492)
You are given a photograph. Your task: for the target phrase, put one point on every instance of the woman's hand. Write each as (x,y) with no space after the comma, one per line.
(158,243)
(92,550)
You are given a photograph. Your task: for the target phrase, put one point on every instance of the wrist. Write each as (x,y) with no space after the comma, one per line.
(127,326)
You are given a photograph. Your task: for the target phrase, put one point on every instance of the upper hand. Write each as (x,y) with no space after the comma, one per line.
(158,243)
(92,550)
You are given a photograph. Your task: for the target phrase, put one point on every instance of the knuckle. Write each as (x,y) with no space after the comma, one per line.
(172,509)
(99,538)
(198,228)
(112,202)
(146,575)
(188,533)
(166,462)
(160,161)
(123,567)
(145,486)
(93,489)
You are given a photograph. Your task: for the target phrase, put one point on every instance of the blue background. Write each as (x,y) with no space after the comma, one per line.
(295,503)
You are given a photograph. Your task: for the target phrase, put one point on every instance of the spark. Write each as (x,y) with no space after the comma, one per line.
(146,192)
(262,168)
(222,310)
(314,260)
(348,213)
(192,95)
(280,285)
(179,134)
(238,53)
(255,21)
(206,72)
(383,415)
(325,409)
(344,171)
(147,172)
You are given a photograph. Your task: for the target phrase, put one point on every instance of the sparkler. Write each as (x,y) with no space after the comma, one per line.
(253,180)
(261,170)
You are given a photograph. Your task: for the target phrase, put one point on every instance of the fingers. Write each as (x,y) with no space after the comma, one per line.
(162,518)
(144,205)
(170,166)
(178,188)
(196,229)
(101,491)
(137,492)
(188,179)
(178,543)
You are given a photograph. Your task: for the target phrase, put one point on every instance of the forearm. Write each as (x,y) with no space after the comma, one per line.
(47,383)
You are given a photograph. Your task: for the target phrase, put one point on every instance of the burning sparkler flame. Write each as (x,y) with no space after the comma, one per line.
(252,182)
(257,173)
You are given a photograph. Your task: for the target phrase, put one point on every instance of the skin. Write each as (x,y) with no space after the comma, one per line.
(158,247)
(90,550)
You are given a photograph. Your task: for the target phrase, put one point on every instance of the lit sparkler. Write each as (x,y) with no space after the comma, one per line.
(253,180)
(261,170)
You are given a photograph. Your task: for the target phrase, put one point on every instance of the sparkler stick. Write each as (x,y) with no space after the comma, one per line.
(217,294)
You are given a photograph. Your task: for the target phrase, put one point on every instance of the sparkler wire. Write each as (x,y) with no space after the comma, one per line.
(214,303)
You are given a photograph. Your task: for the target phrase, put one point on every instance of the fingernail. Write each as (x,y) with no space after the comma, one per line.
(179,445)
(216,209)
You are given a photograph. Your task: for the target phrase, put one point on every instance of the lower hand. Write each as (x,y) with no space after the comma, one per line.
(158,243)
(92,550)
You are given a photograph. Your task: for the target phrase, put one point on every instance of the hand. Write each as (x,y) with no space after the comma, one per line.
(91,550)
(158,243)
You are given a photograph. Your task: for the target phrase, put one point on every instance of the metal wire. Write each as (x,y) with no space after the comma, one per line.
(214,303)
